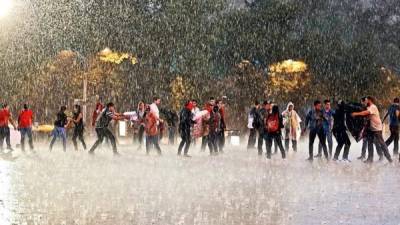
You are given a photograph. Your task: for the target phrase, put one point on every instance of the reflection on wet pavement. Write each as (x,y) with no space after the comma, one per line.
(235,188)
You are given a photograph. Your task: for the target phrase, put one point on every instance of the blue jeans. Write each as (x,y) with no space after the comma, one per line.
(26,132)
(329,139)
(59,132)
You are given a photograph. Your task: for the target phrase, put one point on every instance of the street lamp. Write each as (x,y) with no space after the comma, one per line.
(5,7)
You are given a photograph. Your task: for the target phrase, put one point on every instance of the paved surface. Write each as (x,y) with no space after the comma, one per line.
(235,188)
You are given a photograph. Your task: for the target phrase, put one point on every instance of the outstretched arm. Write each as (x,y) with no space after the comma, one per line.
(363,113)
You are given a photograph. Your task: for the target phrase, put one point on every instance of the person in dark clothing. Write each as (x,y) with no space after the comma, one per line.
(260,126)
(214,128)
(79,127)
(273,126)
(314,121)
(59,128)
(393,113)
(339,132)
(171,117)
(221,132)
(252,125)
(103,120)
(358,126)
(185,124)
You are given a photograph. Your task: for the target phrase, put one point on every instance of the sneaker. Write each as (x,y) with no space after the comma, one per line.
(381,158)
(187,156)
(318,156)
(368,161)
(309,159)
(347,160)
(361,158)
(91,152)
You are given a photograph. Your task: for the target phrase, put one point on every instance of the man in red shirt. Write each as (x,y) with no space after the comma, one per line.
(5,118)
(25,119)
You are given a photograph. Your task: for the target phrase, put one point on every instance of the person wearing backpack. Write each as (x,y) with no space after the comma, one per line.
(273,125)
(315,122)
(393,113)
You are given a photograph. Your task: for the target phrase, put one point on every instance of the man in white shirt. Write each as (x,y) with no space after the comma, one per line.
(376,126)
(154,107)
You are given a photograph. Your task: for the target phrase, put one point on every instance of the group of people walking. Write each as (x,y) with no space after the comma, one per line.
(265,121)
(363,121)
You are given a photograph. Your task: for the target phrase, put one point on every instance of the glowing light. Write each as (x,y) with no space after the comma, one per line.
(5,7)
(288,66)
(107,55)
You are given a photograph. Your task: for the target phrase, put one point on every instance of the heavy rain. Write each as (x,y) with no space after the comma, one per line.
(199,112)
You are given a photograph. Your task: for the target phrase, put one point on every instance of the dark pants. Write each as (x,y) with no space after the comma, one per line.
(394,137)
(294,145)
(221,140)
(260,142)
(171,135)
(141,134)
(274,137)
(364,147)
(5,134)
(329,140)
(101,134)
(369,145)
(152,141)
(252,139)
(204,141)
(343,140)
(321,136)
(78,133)
(26,132)
(376,138)
(212,142)
(185,142)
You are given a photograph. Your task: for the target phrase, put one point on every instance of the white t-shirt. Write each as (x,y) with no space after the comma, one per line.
(154,109)
(374,118)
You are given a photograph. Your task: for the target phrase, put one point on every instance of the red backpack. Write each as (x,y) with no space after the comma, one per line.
(272,123)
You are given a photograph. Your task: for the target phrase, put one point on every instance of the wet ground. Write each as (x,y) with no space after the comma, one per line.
(234,188)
